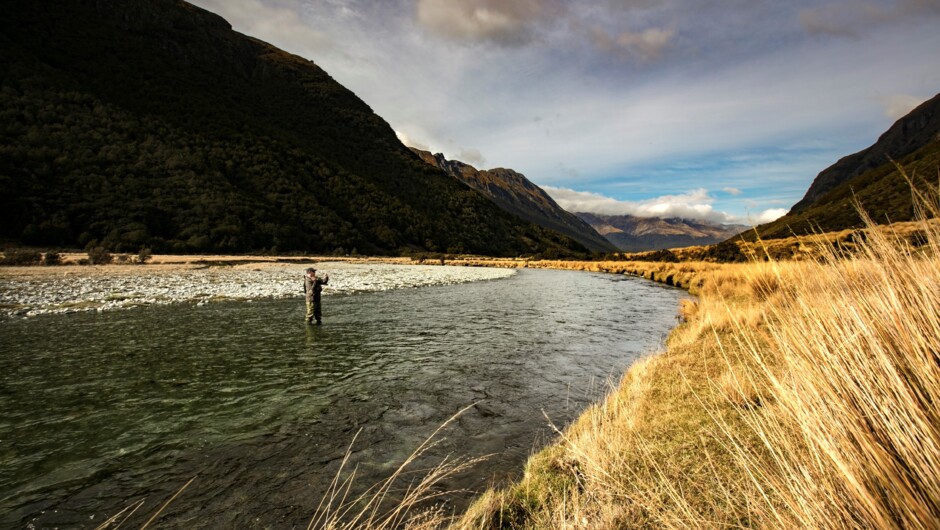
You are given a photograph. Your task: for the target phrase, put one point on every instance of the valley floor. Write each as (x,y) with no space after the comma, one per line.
(793,394)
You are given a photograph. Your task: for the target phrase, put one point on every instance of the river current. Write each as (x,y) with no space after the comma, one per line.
(101,410)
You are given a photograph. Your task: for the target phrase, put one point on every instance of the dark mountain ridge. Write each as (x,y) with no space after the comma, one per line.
(907,135)
(871,178)
(516,194)
(129,123)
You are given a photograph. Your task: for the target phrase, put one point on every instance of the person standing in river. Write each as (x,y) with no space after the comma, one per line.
(313,285)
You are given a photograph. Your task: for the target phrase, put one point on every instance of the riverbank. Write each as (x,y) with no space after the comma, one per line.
(794,394)
(28,291)
(40,290)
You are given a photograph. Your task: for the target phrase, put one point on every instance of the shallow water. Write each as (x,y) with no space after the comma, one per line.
(100,410)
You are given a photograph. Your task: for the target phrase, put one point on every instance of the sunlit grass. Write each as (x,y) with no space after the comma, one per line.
(796,394)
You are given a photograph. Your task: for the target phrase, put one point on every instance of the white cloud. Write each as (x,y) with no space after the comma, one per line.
(767,216)
(696,204)
(732,191)
(467,155)
(471,156)
(898,105)
(408,141)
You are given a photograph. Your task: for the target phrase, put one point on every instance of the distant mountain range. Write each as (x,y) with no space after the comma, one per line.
(871,177)
(514,193)
(151,123)
(637,234)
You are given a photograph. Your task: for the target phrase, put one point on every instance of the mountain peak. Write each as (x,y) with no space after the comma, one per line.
(514,193)
(637,234)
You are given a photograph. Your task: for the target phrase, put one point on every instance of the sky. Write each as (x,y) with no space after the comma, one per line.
(718,110)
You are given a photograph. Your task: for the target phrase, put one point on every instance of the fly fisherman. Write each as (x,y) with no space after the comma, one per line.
(313,284)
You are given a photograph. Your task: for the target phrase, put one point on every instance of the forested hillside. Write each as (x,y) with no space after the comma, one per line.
(151,123)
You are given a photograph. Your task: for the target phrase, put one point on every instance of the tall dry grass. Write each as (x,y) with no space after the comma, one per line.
(795,395)
(851,355)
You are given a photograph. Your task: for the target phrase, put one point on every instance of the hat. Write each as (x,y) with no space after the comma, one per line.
(310,269)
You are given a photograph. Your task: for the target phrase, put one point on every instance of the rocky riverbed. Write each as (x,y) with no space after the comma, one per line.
(44,291)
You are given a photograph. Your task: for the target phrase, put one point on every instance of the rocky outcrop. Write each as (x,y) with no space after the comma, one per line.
(516,194)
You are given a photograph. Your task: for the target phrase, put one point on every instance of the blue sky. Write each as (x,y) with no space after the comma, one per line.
(722,110)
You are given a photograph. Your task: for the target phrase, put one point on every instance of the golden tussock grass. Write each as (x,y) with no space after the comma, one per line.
(797,394)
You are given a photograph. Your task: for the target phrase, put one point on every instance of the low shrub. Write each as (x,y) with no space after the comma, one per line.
(52,257)
(21,256)
(144,256)
(99,256)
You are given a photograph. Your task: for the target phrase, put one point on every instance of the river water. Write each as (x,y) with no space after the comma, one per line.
(101,410)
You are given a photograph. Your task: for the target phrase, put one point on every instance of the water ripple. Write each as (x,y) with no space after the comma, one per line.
(102,409)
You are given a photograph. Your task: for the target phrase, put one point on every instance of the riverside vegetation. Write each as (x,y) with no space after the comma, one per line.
(797,393)
(793,394)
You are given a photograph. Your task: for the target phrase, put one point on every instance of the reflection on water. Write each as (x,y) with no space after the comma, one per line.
(102,410)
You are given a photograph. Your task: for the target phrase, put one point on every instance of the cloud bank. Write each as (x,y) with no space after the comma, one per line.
(696,204)
(409,142)
(853,18)
(626,98)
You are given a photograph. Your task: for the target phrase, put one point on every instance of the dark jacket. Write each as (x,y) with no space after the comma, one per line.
(313,287)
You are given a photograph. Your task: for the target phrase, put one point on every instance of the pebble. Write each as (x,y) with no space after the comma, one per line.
(40,296)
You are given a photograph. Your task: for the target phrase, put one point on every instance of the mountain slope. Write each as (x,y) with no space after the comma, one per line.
(130,123)
(638,234)
(909,134)
(870,177)
(514,193)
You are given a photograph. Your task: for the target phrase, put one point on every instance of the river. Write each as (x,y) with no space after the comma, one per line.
(103,409)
